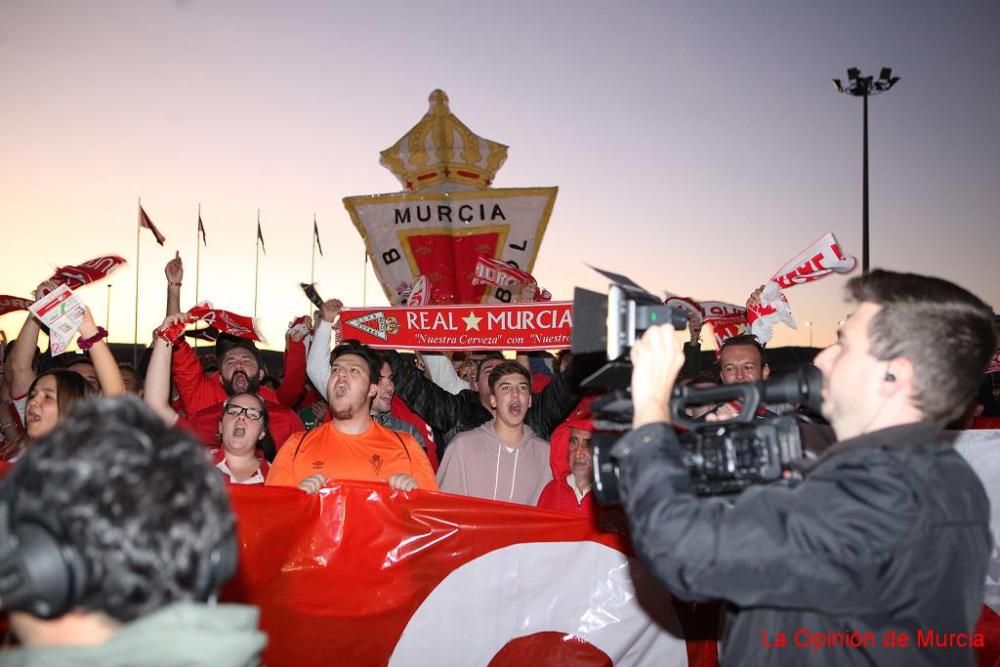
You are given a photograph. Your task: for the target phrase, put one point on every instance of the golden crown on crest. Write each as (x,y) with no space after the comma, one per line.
(440,153)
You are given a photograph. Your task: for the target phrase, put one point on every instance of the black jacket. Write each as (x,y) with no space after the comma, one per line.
(452,414)
(887,534)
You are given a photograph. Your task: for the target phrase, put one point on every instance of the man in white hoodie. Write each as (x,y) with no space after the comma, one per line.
(502,459)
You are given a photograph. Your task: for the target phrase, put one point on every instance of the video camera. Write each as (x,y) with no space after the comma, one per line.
(722,458)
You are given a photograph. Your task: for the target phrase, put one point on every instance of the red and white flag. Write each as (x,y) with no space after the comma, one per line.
(726,319)
(694,311)
(222,321)
(770,307)
(820,259)
(146,223)
(379,577)
(491,271)
(90,271)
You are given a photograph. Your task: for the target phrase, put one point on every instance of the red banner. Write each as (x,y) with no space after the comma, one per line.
(88,272)
(360,575)
(528,326)
(10,304)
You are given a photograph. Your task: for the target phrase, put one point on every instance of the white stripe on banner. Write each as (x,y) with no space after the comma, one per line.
(601,610)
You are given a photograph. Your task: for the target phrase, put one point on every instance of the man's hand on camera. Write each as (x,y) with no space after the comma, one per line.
(656,361)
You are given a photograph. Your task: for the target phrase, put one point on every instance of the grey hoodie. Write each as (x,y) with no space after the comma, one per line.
(181,634)
(476,464)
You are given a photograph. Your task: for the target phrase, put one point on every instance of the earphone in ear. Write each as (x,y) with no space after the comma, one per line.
(889,377)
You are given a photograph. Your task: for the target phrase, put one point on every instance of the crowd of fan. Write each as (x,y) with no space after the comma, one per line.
(477,424)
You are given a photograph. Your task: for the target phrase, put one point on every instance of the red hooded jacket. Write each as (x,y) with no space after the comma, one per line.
(558,494)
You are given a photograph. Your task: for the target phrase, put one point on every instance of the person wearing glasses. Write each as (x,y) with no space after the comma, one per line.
(246,444)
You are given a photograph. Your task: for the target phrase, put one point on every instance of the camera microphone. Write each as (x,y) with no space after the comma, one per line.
(804,386)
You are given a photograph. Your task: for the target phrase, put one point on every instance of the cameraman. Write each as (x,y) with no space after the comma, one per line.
(878,556)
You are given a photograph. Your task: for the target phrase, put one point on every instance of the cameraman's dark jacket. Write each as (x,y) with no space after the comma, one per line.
(451,414)
(888,533)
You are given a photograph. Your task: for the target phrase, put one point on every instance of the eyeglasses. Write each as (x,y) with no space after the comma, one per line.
(253,414)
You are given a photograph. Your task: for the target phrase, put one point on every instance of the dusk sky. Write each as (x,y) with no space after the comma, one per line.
(696,145)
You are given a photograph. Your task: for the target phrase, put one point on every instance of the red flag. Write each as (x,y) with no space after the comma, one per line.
(90,271)
(260,238)
(369,575)
(146,223)
(319,246)
(201,230)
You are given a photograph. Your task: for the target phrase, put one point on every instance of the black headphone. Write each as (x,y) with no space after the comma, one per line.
(889,377)
(43,576)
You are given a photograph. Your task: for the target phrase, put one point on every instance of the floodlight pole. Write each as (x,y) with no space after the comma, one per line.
(864,185)
(864,87)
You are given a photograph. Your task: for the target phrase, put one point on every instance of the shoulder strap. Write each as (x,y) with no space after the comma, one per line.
(405,448)
(298,446)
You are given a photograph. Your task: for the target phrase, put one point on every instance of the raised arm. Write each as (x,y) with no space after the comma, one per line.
(94,340)
(318,361)
(551,405)
(174,270)
(293,379)
(22,357)
(157,394)
(442,372)
(439,408)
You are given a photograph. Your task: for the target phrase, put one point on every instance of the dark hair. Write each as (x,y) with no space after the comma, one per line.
(487,356)
(137,500)
(745,339)
(126,367)
(372,358)
(71,388)
(226,343)
(266,444)
(70,359)
(943,330)
(507,368)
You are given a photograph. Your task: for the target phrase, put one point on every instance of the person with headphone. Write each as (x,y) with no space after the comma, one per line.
(115,535)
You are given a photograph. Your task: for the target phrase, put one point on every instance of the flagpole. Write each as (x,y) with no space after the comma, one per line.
(364,281)
(107,310)
(197,258)
(197,267)
(256,267)
(312,267)
(135,321)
